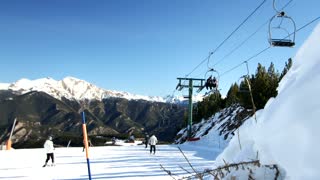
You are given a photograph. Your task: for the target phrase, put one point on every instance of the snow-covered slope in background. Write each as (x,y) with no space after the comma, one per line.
(73,88)
(215,133)
(287,129)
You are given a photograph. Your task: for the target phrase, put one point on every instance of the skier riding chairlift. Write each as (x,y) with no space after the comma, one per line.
(211,83)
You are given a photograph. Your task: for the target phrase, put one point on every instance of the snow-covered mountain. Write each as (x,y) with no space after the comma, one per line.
(182,100)
(75,89)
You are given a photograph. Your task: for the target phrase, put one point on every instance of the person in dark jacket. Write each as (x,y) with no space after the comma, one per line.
(146,139)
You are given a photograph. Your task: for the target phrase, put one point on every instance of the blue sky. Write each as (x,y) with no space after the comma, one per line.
(139,46)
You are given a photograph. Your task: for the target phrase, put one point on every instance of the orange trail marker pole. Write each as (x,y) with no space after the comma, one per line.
(85,140)
(9,142)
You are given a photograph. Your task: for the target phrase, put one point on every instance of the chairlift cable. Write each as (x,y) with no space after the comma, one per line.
(306,25)
(286,5)
(278,11)
(241,44)
(235,67)
(215,50)
(239,26)
(204,60)
(249,37)
(211,53)
(220,45)
(265,49)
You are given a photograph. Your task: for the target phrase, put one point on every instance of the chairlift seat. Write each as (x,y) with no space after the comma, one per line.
(282,42)
(244,89)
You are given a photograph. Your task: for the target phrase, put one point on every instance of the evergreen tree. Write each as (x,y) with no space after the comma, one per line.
(263,84)
(207,107)
(273,79)
(260,87)
(286,68)
(244,93)
(232,95)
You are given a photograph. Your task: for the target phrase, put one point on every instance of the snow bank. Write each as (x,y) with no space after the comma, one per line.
(287,129)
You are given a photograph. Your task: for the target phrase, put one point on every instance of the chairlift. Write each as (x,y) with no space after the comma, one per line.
(243,88)
(213,91)
(212,81)
(288,41)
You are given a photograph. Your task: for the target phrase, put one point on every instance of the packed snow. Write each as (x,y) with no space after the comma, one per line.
(109,162)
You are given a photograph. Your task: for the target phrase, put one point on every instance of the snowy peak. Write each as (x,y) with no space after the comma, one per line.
(80,89)
(71,88)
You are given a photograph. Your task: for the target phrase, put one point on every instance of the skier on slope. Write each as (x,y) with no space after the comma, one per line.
(146,139)
(48,146)
(153,141)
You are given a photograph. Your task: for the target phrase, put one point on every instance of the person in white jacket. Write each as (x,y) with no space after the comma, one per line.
(48,146)
(153,141)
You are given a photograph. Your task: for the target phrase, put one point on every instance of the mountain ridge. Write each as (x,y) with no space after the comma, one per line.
(39,114)
(74,89)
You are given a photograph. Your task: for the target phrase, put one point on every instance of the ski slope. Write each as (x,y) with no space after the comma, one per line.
(107,162)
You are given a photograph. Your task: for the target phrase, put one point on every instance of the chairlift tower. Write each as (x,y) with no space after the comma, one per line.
(193,83)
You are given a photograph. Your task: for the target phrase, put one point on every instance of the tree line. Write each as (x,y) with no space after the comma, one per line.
(263,84)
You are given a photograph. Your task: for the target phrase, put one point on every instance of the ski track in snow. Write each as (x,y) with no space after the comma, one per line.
(108,162)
